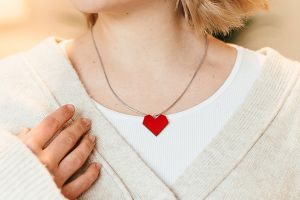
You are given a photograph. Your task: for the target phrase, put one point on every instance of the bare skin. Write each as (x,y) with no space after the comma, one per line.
(59,156)
(149,60)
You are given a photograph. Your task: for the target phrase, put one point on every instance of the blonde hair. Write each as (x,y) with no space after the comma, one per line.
(212,16)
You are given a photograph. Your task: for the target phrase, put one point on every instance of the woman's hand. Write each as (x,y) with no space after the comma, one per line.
(60,157)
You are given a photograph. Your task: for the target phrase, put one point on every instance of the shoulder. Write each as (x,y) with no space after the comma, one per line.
(18,69)
(290,69)
(24,95)
(283,65)
(13,74)
(18,66)
(281,78)
(274,56)
(10,65)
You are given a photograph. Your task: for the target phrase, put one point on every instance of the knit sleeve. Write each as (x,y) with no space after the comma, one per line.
(22,175)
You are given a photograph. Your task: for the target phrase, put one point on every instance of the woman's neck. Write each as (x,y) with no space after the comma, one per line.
(150,54)
(152,36)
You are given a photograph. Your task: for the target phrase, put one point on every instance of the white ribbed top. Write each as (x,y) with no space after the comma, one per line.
(190,130)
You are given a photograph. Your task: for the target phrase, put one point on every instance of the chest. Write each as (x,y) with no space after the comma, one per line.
(188,132)
(254,155)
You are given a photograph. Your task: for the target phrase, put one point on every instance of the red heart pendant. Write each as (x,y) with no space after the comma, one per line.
(155,125)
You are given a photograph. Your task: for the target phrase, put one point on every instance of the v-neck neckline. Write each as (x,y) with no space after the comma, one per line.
(211,166)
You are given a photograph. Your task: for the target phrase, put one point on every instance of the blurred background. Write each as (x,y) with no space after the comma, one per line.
(24,23)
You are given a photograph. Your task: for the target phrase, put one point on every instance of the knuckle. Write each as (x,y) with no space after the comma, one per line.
(47,161)
(79,159)
(53,122)
(31,143)
(70,138)
(87,144)
(79,126)
(82,125)
(81,154)
(67,191)
(59,181)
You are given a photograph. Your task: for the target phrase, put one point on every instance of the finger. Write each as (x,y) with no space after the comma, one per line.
(82,183)
(45,130)
(64,142)
(73,161)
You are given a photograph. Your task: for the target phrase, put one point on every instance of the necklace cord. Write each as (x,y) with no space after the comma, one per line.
(133,109)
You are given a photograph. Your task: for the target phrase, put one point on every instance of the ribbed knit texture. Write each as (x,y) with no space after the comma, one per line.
(256,155)
(22,175)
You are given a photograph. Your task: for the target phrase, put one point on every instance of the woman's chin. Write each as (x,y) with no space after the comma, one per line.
(96,6)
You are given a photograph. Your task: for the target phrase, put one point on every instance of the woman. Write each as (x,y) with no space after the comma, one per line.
(176,113)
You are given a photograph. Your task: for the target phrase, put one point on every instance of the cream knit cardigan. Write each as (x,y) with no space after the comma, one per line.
(256,156)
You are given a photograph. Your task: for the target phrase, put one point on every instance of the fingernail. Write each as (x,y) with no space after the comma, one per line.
(86,121)
(92,137)
(97,165)
(71,107)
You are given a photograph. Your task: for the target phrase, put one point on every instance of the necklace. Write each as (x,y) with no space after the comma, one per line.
(155,123)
